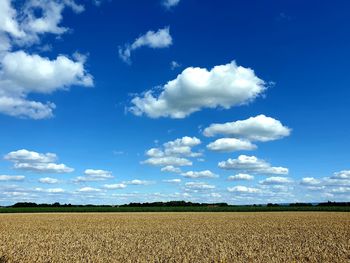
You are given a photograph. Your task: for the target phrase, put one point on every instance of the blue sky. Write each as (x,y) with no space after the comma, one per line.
(98,97)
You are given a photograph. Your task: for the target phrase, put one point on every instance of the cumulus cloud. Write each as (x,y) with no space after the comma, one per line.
(341,175)
(215,195)
(25,25)
(200,174)
(240,177)
(198,186)
(182,146)
(276,180)
(170,3)
(94,175)
(173,181)
(11,178)
(50,190)
(152,39)
(231,145)
(259,128)
(36,74)
(55,190)
(171,169)
(310,181)
(44,167)
(243,189)
(22,73)
(36,162)
(173,152)
(24,155)
(51,16)
(338,179)
(48,180)
(340,190)
(336,185)
(98,173)
(329,181)
(223,86)
(8,19)
(138,182)
(114,186)
(252,164)
(88,190)
(167,161)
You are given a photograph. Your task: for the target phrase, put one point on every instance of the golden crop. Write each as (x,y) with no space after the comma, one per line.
(176,237)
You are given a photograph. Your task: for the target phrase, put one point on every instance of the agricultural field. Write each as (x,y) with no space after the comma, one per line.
(175,237)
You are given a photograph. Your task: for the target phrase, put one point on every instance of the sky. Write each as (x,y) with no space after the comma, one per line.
(111,102)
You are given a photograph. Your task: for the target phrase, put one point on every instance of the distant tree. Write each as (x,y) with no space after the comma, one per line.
(300,204)
(24,204)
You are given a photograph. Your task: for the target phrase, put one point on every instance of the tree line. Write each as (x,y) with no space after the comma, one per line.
(176,204)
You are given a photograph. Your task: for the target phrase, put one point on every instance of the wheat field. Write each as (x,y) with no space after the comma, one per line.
(175,237)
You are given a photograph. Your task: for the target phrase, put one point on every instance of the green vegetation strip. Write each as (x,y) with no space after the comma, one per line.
(172,209)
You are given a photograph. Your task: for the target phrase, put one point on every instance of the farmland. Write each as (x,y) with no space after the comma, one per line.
(175,237)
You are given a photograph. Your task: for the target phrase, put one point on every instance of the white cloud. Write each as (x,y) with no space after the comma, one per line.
(26,26)
(36,162)
(174,65)
(276,180)
(243,189)
(240,176)
(259,128)
(55,190)
(98,173)
(231,145)
(18,107)
(30,26)
(170,3)
(341,175)
(44,167)
(336,185)
(138,182)
(171,169)
(24,155)
(340,190)
(152,39)
(316,188)
(215,195)
(173,152)
(11,178)
(252,164)
(200,174)
(93,175)
(23,74)
(155,152)
(33,73)
(182,146)
(335,182)
(51,16)
(5,44)
(198,186)
(88,189)
(50,190)
(223,86)
(48,180)
(8,19)
(173,181)
(168,160)
(114,186)
(310,181)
